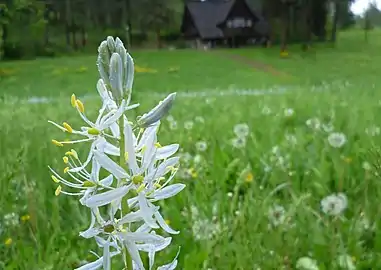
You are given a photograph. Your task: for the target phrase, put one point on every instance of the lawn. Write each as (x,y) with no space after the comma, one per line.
(254,205)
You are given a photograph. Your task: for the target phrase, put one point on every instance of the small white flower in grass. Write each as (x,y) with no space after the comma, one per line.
(239,142)
(201,146)
(373,131)
(188,125)
(337,139)
(328,127)
(266,110)
(335,204)
(200,119)
(366,166)
(170,118)
(289,112)
(345,262)
(306,263)
(291,139)
(313,123)
(277,215)
(241,130)
(198,159)
(173,125)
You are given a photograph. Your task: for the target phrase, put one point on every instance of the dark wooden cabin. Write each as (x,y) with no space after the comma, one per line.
(231,21)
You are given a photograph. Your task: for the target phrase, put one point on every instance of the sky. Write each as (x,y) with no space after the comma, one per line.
(360,5)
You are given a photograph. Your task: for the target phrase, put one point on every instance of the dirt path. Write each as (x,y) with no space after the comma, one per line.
(255,64)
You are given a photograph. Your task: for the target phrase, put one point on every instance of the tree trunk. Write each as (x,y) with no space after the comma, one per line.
(307,25)
(285,27)
(67,22)
(335,21)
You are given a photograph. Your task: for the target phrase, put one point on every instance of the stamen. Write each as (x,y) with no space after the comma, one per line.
(55,142)
(58,191)
(67,127)
(73,100)
(66,170)
(158,145)
(141,188)
(65,159)
(80,106)
(55,179)
(137,179)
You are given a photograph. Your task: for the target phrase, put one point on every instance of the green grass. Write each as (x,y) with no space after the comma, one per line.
(49,240)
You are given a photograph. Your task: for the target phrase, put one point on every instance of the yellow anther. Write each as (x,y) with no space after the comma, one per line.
(158,145)
(144,148)
(93,131)
(80,106)
(67,127)
(55,142)
(161,178)
(66,170)
(137,179)
(126,156)
(167,221)
(25,218)
(249,178)
(89,184)
(8,242)
(141,188)
(58,190)
(74,153)
(157,185)
(73,100)
(55,179)
(65,159)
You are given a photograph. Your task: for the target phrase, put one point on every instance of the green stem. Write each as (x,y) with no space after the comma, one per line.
(122,163)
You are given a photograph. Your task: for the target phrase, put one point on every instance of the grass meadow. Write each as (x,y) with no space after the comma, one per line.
(252,201)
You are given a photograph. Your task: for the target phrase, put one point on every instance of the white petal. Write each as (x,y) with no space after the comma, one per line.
(146,134)
(163,168)
(89,157)
(134,253)
(96,264)
(163,224)
(166,151)
(167,192)
(111,120)
(108,164)
(107,181)
(115,130)
(107,197)
(147,211)
(130,148)
(170,266)
(141,237)
(106,256)
(131,217)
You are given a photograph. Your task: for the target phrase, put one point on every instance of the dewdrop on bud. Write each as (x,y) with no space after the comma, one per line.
(157,113)
(116,76)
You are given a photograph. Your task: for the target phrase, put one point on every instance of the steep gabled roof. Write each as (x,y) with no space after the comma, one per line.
(208,14)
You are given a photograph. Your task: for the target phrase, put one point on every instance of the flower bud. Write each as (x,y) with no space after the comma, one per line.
(116,76)
(157,113)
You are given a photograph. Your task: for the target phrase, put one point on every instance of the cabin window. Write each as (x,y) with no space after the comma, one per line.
(239,23)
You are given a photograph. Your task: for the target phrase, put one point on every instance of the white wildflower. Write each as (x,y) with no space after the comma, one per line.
(241,130)
(313,123)
(373,131)
(335,204)
(188,125)
(277,215)
(337,140)
(266,110)
(345,262)
(306,263)
(289,112)
(200,119)
(201,146)
(239,142)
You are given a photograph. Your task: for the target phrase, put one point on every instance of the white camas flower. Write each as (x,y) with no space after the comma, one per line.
(306,263)
(335,204)
(131,188)
(337,139)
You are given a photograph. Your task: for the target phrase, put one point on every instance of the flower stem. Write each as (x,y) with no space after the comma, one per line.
(122,163)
